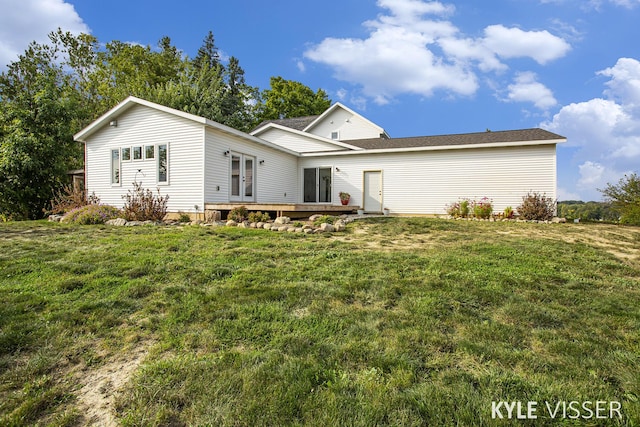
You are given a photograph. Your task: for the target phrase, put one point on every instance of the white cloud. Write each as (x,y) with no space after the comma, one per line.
(542,46)
(605,131)
(413,49)
(624,86)
(24,21)
(564,194)
(526,88)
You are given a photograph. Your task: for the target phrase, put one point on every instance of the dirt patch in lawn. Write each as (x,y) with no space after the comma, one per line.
(101,386)
(623,242)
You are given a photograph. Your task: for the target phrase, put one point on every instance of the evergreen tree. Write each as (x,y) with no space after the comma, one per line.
(208,55)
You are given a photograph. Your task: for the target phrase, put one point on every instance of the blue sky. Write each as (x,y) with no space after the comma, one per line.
(414,67)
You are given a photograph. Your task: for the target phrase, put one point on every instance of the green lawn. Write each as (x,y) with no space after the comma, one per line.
(394,322)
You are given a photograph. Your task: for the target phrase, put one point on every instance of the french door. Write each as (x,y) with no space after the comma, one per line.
(243,174)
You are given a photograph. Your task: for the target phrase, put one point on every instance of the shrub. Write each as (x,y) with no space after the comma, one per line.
(324,219)
(92,214)
(483,209)
(70,198)
(238,214)
(183,217)
(258,217)
(536,206)
(508,212)
(143,205)
(459,209)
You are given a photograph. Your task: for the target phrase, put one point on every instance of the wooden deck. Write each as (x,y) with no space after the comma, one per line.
(282,209)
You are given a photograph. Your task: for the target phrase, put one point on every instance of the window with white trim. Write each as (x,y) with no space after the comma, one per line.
(335,135)
(163,164)
(137,153)
(115,167)
(149,152)
(126,153)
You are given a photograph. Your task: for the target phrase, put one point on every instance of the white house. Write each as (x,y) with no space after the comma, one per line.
(303,164)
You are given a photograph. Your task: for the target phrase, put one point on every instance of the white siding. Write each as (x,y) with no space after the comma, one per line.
(139,126)
(355,128)
(297,142)
(425,182)
(275,180)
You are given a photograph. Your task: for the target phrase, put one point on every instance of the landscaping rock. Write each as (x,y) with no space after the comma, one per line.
(314,217)
(260,224)
(212,216)
(118,222)
(340,225)
(299,230)
(267,226)
(328,228)
(283,228)
(134,223)
(231,223)
(559,220)
(282,220)
(308,230)
(55,218)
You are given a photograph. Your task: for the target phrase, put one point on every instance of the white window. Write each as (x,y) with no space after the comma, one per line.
(126,154)
(137,153)
(115,167)
(163,164)
(335,135)
(149,152)
(317,185)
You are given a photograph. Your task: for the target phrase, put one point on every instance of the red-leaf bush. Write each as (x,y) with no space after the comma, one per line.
(536,206)
(143,205)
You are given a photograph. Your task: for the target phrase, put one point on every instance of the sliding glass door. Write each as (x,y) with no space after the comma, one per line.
(317,185)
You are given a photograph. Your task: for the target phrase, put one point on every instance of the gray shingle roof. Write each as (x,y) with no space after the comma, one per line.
(458,139)
(297,123)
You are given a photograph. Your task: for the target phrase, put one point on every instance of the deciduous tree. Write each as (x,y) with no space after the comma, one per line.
(288,99)
(39,106)
(625,198)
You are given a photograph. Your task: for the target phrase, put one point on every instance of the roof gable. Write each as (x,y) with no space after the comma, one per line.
(131,101)
(331,110)
(338,144)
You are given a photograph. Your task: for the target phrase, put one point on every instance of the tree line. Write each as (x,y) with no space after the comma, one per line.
(55,89)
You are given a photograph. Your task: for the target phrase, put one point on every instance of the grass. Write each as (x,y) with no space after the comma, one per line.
(398,321)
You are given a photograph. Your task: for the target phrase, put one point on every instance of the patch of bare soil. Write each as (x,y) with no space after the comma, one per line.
(96,398)
(620,241)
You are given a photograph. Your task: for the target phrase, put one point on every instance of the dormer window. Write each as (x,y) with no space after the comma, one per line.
(335,135)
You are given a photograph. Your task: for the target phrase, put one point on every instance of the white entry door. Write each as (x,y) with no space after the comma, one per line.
(242,178)
(373,191)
